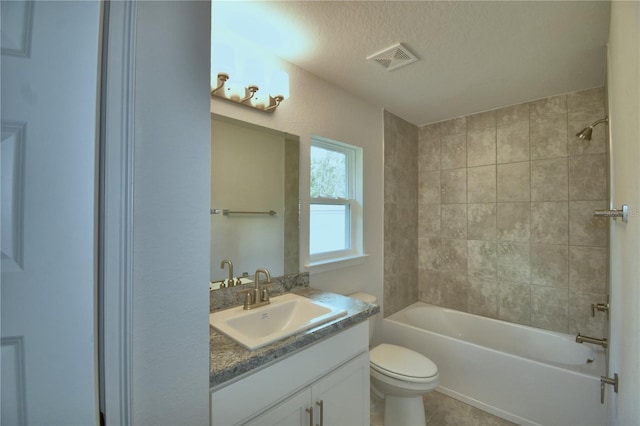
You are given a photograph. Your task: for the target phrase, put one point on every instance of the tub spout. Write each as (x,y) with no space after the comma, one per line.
(586,339)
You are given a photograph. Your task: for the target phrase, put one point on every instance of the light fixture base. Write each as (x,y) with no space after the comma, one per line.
(250,91)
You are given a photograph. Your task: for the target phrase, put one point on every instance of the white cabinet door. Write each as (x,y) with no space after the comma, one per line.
(342,397)
(338,399)
(291,412)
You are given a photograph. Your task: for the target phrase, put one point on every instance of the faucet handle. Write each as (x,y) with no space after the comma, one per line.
(247,299)
(265,295)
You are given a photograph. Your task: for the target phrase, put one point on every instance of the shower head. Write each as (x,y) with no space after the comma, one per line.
(585,134)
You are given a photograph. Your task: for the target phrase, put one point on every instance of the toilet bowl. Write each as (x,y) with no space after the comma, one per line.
(401,376)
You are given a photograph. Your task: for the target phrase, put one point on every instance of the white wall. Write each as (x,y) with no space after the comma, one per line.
(318,108)
(170,342)
(624,112)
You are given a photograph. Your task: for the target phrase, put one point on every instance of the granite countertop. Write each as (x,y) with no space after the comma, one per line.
(230,360)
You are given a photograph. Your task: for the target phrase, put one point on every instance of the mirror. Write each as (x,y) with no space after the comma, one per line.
(254,199)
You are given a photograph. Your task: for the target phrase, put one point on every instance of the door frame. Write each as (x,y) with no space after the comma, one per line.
(116,212)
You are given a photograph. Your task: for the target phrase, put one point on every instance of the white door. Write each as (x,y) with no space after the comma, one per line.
(50,75)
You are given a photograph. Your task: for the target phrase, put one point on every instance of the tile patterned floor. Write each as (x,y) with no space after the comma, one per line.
(441,410)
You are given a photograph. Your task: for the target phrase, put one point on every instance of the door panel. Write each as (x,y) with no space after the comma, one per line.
(50,75)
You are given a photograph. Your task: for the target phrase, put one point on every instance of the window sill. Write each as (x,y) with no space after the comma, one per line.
(335,263)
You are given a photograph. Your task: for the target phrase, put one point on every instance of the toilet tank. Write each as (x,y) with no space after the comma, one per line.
(368,298)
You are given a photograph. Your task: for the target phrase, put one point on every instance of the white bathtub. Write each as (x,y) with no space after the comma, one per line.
(523,374)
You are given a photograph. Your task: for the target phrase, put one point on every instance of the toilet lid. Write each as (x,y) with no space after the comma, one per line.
(401,363)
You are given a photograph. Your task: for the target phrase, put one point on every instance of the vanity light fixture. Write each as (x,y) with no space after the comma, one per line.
(265,96)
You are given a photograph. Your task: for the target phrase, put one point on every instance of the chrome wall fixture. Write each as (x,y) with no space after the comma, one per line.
(585,133)
(614,213)
(227,212)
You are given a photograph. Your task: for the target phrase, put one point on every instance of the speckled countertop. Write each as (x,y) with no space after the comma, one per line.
(230,360)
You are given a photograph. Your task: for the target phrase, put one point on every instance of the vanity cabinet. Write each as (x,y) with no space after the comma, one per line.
(335,400)
(334,371)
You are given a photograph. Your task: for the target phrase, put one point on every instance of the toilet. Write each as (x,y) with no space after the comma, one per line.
(400,376)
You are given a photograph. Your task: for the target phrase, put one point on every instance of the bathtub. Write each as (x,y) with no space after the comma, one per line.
(523,374)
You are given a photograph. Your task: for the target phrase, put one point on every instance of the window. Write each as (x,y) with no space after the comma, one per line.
(335,210)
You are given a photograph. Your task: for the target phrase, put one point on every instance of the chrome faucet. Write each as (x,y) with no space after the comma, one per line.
(258,296)
(586,339)
(230,281)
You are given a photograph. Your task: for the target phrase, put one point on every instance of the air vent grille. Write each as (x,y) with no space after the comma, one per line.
(393,57)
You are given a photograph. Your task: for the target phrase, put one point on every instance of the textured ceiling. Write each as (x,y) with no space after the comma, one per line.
(472,56)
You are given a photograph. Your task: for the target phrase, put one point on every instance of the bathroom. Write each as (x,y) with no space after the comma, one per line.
(155,351)
(526,201)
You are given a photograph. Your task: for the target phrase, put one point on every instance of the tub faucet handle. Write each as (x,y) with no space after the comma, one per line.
(604,380)
(600,307)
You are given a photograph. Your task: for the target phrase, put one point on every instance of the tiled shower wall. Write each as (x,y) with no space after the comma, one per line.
(505,202)
(400,213)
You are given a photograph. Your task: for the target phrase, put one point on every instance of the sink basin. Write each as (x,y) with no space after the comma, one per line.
(284,316)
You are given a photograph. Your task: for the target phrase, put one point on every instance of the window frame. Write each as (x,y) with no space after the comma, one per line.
(353,202)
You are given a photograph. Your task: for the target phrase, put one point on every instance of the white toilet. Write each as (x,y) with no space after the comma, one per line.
(400,376)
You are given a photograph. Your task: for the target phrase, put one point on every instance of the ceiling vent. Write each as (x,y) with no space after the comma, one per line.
(393,57)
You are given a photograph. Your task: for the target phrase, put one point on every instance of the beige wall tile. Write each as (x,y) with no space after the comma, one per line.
(512,114)
(585,99)
(548,106)
(430,131)
(482,297)
(429,286)
(550,265)
(453,126)
(588,177)
(514,303)
(453,291)
(513,142)
(453,255)
(549,137)
(453,151)
(482,259)
(453,221)
(429,220)
(481,147)
(588,269)
(514,222)
(481,184)
(428,154)
(514,262)
(481,120)
(550,308)
(453,186)
(481,221)
(429,187)
(525,253)
(401,201)
(584,229)
(550,179)
(429,253)
(550,222)
(514,182)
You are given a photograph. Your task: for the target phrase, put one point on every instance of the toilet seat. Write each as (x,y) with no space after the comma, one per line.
(402,363)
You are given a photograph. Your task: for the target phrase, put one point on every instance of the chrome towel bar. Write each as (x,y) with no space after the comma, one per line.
(227,212)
